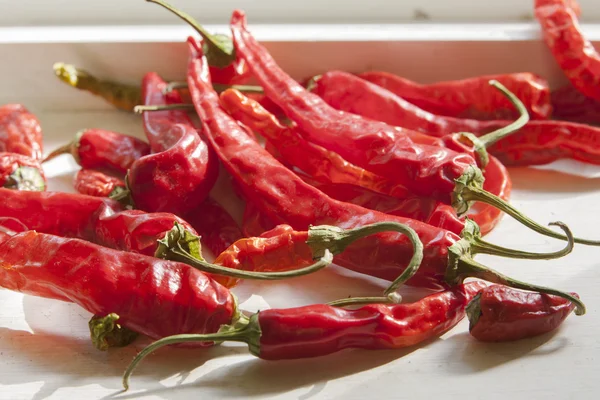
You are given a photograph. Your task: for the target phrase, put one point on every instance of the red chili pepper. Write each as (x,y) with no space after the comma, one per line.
(574,54)
(180,175)
(21,173)
(472,97)
(282,196)
(569,104)
(20,131)
(500,314)
(254,223)
(154,297)
(536,143)
(320,329)
(98,184)
(103,150)
(450,177)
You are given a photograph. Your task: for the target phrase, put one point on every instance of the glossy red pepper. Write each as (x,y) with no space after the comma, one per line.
(20,131)
(103,150)
(283,197)
(569,104)
(320,329)
(154,297)
(574,54)
(21,172)
(500,314)
(179,176)
(98,184)
(536,143)
(471,97)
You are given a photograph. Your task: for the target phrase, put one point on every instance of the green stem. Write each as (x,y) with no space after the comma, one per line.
(174,85)
(66,149)
(472,193)
(163,107)
(354,301)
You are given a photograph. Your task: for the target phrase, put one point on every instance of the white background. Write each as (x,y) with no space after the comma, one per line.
(81,12)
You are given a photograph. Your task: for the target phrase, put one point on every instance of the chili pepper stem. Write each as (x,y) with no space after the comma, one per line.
(470,193)
(139,109)
(356,301)
(248,333)
(69,148)
(174,85)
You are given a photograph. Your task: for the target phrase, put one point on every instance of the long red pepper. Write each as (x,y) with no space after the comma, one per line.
(536,143)
(448,176)
(21,172)
(20,131)
(499,314)
(103,150)
(574,54)
(569,104)
(283,197)
(98,184)
(320,329)
(471,97)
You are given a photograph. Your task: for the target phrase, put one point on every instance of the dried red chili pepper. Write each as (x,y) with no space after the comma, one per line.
(569,104)
(20,131)
(320,329)
(98,184)
(254,223)
(499,314)
(574,54)
(448,176)
(471,97)
(282,196)
(103,150)
(21,172)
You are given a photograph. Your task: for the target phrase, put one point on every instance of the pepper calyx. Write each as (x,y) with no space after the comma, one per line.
(26,178)
(472,177)
(473,310)
(105,332)
(179,238)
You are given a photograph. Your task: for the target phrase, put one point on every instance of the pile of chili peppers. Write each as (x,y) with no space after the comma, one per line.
(372,171)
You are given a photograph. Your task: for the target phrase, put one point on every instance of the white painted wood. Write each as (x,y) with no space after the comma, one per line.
(44,350)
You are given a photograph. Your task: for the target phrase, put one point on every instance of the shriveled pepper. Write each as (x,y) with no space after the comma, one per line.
(569,104)
(20,131)
(500,314)
(470,97)
(103,150)
(21,172)
(574,54)
(448,176)
(320,329)
(283,197)
(98,184)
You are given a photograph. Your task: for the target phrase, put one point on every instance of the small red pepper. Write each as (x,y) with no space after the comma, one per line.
(574,54)
(103,150)
(471,97)
(569,104)
(320,329)
(500,314)
(21,173)
(20,131)
(98,184)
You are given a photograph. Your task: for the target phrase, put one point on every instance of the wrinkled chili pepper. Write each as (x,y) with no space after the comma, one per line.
(320,329)
(255,223)
(574,54)
(471,97)
(103,150)
(183,170)
(282,196)
(21,173)
(20,131)
(98,184)
(569,104)
(446,175)
(536,143)
(499,314)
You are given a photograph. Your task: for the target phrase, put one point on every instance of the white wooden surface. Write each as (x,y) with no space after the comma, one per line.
(44,349)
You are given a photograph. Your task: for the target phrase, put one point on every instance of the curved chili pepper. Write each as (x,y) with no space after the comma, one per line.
(451,177)
(536,143)
(21,173)
(500,314)
(320,329)
(282,196)
(569,104)
(154,297)
(103,150)
(20,131)
(472,97)
(181,174)
(574,54)
(98,184)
